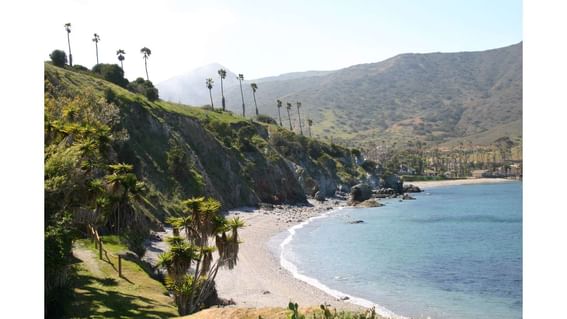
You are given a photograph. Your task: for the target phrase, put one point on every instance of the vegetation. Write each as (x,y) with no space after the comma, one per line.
(112,73)
(96,39)
(191,268)
(146,54)
(68,29)
(222,74)
(58,58)
(209,83)
(240,78)
(144,87)
(120,53)
(254,87)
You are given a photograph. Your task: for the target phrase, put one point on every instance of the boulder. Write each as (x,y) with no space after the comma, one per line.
(356,222)
(319,196)
(411,189)
(394,182)
(370,203)
(360,192)
(407,196)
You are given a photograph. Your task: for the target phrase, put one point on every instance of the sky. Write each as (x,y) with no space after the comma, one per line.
(264,38)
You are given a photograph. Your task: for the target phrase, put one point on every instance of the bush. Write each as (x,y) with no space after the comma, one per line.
(78,67)
(112,73)
(265,119)
(59,58)
(146,88)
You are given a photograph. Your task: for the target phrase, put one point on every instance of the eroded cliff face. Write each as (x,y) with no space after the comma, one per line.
(181,151)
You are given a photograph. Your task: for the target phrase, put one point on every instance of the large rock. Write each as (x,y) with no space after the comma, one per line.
(411,189)
(319,196)
(370,203)
(394,182)
(360,192)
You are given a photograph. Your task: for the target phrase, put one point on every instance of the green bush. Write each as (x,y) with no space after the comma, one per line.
(112,73)
(265,119)
(146,88)
(59,58)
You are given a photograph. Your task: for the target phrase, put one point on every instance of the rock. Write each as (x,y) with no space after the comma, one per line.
(343,298)
(360,193)
(266,292)
(370,203)
(407,196)
(356,222)
(412,189)
(394,182)
(319,196)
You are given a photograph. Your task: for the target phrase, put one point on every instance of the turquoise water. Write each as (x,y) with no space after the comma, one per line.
(455,252)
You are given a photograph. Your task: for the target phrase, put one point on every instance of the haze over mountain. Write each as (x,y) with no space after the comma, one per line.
(433,97)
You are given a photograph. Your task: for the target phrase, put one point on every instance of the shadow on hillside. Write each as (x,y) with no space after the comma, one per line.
(91,301)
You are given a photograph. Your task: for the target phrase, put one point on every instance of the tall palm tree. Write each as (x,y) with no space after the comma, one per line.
(146,52)
(240,78)
(96,38)
(68,29)
(254,87)
(121,57)
(299,114)
(288,107)
(222,74)
(279,114)
(309,123)
(209,82)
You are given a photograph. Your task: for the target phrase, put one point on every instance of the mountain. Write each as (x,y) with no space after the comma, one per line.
(189,88)
(435,97)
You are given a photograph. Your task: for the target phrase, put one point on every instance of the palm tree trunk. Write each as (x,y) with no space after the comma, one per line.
(121,65)
(222,94)
(309,126)
(211,96)
(300,127)
(70,55)
(289,118)
(96,46)
(146,64)
(242,95)
(256,105)
(280,116)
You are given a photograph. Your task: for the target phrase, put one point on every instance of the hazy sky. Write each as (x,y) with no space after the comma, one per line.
(262,38)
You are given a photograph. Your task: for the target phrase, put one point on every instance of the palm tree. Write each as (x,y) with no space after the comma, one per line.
(279,114)
(121,57)
(222,74)
(309,123)
(299,114)
(209,82)
(96,38)
(146,52)
(288,107)
(122,182)
(254,88)
(68,29)
(240,78)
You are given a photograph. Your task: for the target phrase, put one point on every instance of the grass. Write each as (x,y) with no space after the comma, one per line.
(101,293)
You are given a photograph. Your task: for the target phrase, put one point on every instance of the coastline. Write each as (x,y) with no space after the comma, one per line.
(452,182)
(259,280)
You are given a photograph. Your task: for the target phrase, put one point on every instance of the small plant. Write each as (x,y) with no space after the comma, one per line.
(295,311)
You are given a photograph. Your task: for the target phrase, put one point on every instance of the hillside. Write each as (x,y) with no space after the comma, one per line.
(434,97)
(181,151)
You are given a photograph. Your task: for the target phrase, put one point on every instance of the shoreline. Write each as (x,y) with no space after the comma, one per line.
(259,280)
(453,182)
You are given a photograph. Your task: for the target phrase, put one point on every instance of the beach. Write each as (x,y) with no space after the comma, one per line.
(259,280)
(452,182)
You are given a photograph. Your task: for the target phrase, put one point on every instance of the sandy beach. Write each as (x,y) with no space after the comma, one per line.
(259,280)
(430,184)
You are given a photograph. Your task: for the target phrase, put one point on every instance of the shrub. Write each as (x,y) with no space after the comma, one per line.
(146,88)
(78,67)
(112,73)
(59,58)
(265,119)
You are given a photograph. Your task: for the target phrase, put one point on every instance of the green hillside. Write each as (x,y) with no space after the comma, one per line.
(434,97)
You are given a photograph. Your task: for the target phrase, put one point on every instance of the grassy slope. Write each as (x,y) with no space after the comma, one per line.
(100,293)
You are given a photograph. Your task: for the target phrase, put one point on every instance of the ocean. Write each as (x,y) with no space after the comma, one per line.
(454,252)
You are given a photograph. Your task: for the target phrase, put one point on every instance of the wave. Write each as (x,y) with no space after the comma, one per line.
(467,219)
(292,268)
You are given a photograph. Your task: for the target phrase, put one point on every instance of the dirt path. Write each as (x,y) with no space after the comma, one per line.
(88,258)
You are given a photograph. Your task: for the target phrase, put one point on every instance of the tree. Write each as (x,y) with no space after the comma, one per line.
(146,52)
(254,87)
(288,107)
(96,38)
(58,57)
(309,124)
(299,115)
(112,73)
(209,82)
(145,88)
(240,78)
(190,264)
(279,104)
(120,53)
(68,29)
(222,74)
